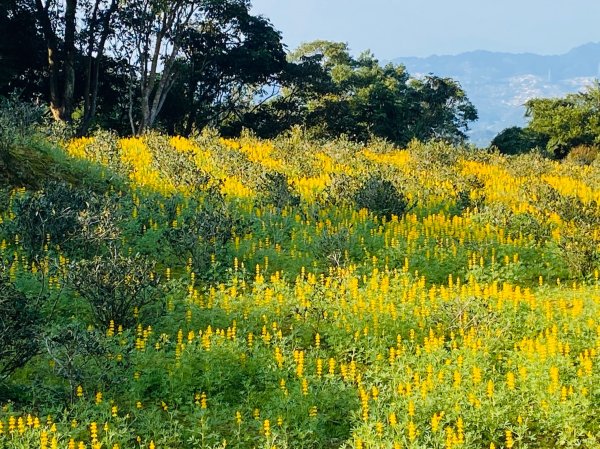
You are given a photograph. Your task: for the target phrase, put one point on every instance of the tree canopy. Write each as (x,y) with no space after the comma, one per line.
(331,93)
(556,125)
(568,122)
(183,65)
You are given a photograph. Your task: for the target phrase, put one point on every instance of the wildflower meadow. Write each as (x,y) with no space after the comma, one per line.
(208,293)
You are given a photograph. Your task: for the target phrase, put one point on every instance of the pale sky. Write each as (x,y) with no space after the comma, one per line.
(392,28)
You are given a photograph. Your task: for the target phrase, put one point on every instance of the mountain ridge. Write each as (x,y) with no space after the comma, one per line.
(499,83)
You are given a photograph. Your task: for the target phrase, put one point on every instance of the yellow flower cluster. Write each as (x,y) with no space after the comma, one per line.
(136,155)
(77,147)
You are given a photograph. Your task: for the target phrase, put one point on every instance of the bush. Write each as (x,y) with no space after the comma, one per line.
(469,194)
(516,140)
(203,230)
(340,191)
(275,190)
(116,287)
(580,251)
(63,214)
(582,155)
(333,247)
(381,197)
(49,214)
(175,164)
(79,355)
(579,243)
(18,120)
(19,326)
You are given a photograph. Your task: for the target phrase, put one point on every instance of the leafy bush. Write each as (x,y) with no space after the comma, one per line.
(381,197)
(78,355)
(579,242)
(203,230)
(580,251)
(50,214)
(333,247)
(275,190)
(175,164)
(115,286)
(583,155)
(517,140)
(17,122)
(468,194)
(66,216)
(19,325)
(340,191)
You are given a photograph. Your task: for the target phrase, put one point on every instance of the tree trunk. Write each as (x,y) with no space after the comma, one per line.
(61,67)
(69,63)
(94,61)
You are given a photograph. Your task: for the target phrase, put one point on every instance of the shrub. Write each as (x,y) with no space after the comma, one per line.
(18,120)
(116,287)
(19,326)
(340,191)
(582,155)
(64,215)
(580,251)
(333,247)
(51,213)
(104,146)
(579,243)
(435,153)
(203,230)
(78,355)
(469,194)
(275,190)
(516,140)
(381,197)
(175,164)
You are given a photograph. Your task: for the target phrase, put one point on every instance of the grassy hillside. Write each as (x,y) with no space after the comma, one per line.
(180,293)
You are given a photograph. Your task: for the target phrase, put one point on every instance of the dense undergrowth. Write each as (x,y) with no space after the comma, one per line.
(166,292)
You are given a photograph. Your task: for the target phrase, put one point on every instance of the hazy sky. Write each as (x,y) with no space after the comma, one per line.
(392,28)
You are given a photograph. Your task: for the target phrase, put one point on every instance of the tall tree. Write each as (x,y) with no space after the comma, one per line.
(332,93)
(443,110)
(228,59)
(152,36)
(57,20)
(569,121)
(210,50)
(99,16)
(71,29)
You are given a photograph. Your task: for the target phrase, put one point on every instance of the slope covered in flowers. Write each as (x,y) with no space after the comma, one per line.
(470,321)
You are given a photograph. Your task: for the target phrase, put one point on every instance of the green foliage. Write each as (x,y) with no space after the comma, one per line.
(569,121)
(334,248)
(301,321)
(578,245)
(78,356)
(20,323)
(116,287)
(202,232)
(340,191)
(51,215)
(517,140)
(18,120)
(333,94)
(583,155)
(381,197)
(72,217)
(275,190)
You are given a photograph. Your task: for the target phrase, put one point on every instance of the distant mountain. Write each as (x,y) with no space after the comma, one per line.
(499,84)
